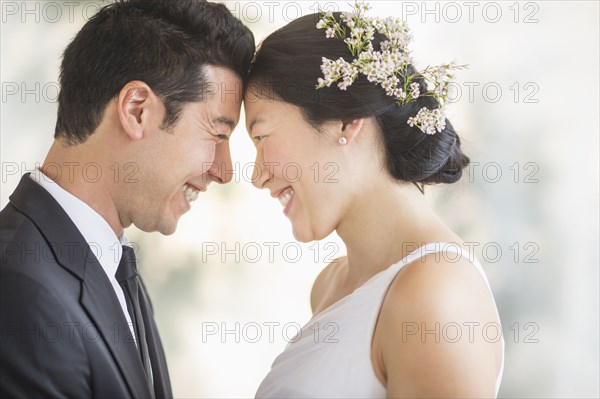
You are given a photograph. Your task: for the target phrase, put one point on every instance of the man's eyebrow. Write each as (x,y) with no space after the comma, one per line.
(254,122)
(225,120)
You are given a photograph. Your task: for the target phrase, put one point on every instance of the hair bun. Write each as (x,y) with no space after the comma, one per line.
(451,171)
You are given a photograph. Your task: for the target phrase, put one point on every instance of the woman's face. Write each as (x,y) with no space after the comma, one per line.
(302,168)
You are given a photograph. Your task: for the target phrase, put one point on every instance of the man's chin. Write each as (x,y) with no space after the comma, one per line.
(168,224)
(168,232)
(164,227)
(168,228)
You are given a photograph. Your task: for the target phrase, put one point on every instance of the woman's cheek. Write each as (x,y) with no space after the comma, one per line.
(278,160)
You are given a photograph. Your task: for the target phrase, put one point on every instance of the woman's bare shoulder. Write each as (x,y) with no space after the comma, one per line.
(432,325)
(323,284)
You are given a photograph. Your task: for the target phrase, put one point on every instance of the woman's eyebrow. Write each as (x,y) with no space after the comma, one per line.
(254,122)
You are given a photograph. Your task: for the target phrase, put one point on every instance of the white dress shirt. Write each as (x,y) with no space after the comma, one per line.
(98,234)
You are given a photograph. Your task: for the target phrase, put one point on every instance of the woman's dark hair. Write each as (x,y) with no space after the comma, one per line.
(287,67)
(164,43)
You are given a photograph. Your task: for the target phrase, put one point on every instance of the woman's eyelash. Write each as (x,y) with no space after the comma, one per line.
(258,139)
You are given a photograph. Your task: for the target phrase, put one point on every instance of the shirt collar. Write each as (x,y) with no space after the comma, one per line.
(101,238)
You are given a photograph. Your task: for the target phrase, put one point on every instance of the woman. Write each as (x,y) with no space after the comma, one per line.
(408,312)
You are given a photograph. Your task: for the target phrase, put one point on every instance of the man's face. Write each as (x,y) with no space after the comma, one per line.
(177,165)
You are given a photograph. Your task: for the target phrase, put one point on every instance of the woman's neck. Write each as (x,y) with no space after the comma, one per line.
(385,224)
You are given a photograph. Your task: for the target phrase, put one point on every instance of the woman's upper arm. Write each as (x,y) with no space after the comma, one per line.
(432,336)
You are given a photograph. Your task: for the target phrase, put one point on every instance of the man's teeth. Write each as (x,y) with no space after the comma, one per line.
(286,197)
(189,192)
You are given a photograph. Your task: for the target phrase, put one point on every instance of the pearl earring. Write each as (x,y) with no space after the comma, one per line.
(343,141)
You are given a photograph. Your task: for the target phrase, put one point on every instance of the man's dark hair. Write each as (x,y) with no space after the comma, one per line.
(164,43)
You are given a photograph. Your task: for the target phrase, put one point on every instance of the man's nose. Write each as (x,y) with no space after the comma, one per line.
(222,169)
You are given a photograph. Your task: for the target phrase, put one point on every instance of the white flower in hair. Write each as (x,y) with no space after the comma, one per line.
(388,67)
(415,90)
(429,121)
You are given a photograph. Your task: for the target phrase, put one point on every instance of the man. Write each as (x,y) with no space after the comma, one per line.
(150,92)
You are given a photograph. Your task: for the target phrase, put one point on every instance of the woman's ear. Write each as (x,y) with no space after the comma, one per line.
(351,128)
(136,102)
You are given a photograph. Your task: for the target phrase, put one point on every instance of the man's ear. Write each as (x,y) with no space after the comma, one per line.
(350,128)
(137,105)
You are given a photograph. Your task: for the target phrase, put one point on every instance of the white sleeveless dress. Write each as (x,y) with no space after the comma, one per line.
(331,356)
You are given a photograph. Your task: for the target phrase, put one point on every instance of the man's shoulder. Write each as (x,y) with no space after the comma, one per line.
(26,255)
(17,233)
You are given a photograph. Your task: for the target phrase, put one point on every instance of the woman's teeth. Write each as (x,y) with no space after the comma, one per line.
(286,197)
(189,192)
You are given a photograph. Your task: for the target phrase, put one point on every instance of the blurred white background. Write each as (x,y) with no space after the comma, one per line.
(231,286)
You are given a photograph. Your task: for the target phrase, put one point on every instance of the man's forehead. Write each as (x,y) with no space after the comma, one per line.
(222,79)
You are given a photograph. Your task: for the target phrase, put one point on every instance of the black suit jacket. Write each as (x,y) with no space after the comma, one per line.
(63,332)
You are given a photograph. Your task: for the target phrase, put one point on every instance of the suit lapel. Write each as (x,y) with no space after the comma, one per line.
(162,384)
(103,307)
(98,298)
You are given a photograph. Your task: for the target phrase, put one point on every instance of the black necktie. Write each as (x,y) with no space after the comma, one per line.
(128,278)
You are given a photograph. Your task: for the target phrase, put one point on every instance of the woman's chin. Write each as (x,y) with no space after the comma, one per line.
(301,234)
(305,234)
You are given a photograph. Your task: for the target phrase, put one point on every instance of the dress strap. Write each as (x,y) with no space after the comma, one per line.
(450,252)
